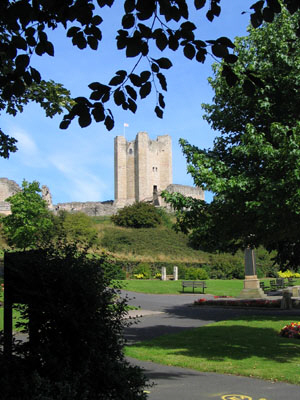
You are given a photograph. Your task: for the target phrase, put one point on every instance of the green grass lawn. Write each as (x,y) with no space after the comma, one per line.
(249,346)
(217,287)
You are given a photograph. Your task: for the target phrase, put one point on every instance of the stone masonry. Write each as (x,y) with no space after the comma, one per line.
(7,188)
(143,169)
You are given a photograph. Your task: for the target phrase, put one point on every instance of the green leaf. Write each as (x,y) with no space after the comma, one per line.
(98,112)
(133,47)
(154,67)
(163,62)
(173,43)
(132,106)
(119,97)
(268,14)
(189,51)
(219,50)
(99,87)
(159,112)
(135,79)
(162,81)
(109,123)
(131,92)
(145,75)
(161,41)
(64,124)
(92,42)
(128,21)
(18,88)
(72,31)
(161,100)
(248,87)
(188,26)
(225,41)
(256,20)
(129,6)
(49,49)
(84,120)
(231,58)
(199,4)
(117,80)
(145,90)
(22,61)
(19,42)
(36,76)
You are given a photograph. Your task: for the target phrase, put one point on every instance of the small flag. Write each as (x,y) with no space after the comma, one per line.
(126,125)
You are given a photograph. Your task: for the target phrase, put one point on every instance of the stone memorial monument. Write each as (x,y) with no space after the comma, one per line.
(251,289)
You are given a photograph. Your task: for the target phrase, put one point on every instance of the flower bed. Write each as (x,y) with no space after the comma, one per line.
(291,331)
(238,302)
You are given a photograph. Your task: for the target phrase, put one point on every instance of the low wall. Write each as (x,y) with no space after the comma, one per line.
(91,208)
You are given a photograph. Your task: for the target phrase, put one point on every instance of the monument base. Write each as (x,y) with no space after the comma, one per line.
(252,289)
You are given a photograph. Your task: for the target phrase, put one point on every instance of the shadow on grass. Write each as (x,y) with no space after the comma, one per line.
(219,343)
(221,313)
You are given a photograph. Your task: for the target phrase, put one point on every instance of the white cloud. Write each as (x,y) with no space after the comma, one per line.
(81,183)
(29,154)
(26,144)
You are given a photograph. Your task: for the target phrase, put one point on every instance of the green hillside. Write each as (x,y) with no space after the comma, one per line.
(163,244)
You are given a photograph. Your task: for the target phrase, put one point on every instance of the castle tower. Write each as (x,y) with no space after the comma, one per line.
(143,168)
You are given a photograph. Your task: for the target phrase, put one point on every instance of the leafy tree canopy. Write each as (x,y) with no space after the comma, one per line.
(254,165)
(165,23)
(138,215)
(76,228)
(30,222)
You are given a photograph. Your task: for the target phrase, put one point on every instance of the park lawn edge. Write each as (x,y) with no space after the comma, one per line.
(249,346)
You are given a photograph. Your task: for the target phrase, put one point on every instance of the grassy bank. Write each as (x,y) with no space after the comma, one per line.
(249,346)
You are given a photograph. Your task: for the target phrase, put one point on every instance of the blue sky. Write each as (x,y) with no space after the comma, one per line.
(78,164)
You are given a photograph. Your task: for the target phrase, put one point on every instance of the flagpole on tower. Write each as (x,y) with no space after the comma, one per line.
(125,125)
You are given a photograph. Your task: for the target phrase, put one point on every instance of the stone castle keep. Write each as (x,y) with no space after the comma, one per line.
(143,169)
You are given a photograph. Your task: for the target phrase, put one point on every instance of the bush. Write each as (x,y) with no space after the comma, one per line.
(77,323)
(195,274)
(138,215)
(111,268)
(76,228)
(288,274)
(142,269)
(224,266)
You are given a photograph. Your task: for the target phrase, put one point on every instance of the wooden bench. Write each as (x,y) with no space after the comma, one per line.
(169,277)
(265,288)
(194,284)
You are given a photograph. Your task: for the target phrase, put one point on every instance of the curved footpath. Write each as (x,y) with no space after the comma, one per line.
(164,314)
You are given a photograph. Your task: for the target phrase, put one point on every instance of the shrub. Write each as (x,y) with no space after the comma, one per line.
(142,269)
(224,267)
(195,274)
(288,274)
(138,215)
(111,268)
(77,323)
(165,216)
(76,228)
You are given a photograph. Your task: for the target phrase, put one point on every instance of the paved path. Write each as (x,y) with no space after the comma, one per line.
(164,314)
